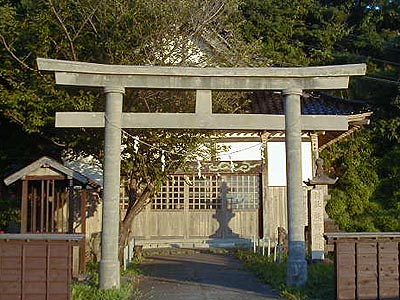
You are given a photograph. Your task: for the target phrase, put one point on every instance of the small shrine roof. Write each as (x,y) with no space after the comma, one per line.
(46,163)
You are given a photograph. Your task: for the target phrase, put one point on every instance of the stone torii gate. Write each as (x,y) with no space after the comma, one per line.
(114,79)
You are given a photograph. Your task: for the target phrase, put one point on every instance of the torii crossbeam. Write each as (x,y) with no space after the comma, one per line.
(114,79)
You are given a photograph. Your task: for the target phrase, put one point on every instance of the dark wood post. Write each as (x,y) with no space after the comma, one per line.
(24,206)
(82,243)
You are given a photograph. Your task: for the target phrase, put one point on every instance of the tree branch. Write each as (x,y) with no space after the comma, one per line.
(8,48)
(71,43)
(88,19)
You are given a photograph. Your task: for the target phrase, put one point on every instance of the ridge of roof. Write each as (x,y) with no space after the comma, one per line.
(45,161)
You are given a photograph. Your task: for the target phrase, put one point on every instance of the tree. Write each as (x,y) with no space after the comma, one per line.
(312,32)
(140,32)
(374,39)
(355,163)
(294,33)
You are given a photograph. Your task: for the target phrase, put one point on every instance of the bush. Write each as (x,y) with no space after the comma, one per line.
(9,212)
(320,284)
(82,291)
(89,290)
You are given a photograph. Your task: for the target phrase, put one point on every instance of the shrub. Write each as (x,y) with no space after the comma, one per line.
(320,284)
(89,290)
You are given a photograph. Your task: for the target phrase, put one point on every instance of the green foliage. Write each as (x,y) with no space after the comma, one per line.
(295,32)
(320,284)
(265,268)
(132,269)
(89,290)
(365,198)
(9,212)
(144,32)
(351,203)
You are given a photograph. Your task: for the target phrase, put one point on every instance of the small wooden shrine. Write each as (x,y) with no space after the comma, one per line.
(54,198)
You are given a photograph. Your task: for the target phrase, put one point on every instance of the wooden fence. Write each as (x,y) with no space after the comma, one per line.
(36,266)
(367,265)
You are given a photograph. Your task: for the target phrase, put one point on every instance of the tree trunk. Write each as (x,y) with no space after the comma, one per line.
(133,211)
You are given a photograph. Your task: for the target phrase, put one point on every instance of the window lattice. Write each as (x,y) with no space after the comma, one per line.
(242,192)
(172,194)
(209,192)
(203,193)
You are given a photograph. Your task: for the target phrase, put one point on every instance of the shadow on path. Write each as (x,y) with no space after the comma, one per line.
(200,276)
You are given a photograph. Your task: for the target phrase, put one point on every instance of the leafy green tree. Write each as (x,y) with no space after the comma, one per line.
(294,33)
(150,32)
(312,32)
(374,39)
(355,164)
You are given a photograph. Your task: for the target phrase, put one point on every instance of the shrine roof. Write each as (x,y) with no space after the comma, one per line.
(266,102)
(45,167)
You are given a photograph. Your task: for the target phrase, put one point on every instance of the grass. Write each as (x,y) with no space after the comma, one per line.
(320,284)
(89,289)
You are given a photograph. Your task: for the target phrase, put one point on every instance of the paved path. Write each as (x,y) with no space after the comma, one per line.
(200,276)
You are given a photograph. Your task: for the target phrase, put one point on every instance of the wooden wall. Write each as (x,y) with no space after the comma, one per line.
(154,224)
(200,224)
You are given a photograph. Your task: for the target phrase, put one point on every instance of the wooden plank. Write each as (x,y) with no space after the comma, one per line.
(346,293)
(57,287)
(342,236)
(47,268)
(388,270)
(10,288)
(24,206)
(47,205)
(366,248)
(36,274)
(346,270)
(34,214)
(346,258)
(389,293)
(29,296)
(10,274)
(58,250)
(198,121)
(11,262)
(41,217)
(53,206)
(34,263)
(367,292)
(35,249)
(35,287)
(58,263)
(345,248)
(58,275)
(367,270)
(11,250)
(59,296)
(10,297)
(366,259)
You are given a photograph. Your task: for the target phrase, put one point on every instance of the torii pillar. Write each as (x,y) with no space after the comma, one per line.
(297,265)
(109,263)
(114,80)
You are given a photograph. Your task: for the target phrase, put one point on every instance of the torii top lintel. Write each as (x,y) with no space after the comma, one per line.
(100,75)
